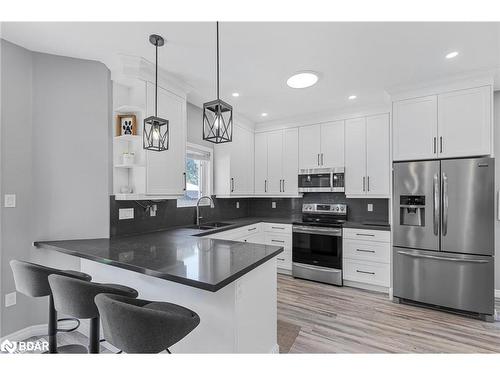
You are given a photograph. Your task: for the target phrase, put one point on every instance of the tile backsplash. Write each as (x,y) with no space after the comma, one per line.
(169,215)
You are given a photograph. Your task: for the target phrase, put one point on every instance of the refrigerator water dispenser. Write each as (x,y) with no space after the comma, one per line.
(412,210)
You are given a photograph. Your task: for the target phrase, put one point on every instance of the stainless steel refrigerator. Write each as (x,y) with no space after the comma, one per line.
(443,243)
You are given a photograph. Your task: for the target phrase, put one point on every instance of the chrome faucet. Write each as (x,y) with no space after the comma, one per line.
(198,217)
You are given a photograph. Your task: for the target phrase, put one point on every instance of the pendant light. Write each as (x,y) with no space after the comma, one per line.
(155,131)
(217,114)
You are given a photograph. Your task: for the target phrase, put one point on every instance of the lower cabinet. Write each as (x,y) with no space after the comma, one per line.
(367,257)
(264,234)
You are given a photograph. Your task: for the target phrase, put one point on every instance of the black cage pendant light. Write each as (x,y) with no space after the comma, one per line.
(155,132)
(217,114)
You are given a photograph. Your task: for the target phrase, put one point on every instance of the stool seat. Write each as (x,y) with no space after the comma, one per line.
(141,326)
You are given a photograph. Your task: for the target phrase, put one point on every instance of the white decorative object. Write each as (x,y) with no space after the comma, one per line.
(128,158)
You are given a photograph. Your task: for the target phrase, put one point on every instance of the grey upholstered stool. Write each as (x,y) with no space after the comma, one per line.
(140,326)
(32,280)
(76,298)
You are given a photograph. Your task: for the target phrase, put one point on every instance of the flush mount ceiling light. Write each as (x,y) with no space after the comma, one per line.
(235,94)
(451,55)
(217,114)
(352,97)
(155,131)
(302,80)
(263,114)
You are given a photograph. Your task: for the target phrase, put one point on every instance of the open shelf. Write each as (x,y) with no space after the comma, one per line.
(129,166)
(128,109)
(128,138)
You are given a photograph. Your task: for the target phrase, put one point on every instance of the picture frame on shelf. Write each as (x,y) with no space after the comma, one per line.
(126,124)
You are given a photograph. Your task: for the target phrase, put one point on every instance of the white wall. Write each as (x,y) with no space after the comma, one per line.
(55,134)
(195,126)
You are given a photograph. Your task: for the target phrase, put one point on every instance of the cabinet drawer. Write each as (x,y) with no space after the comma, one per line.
(284,240)
(367,250)
(284,259)
(277,228)
(367,272)
(367,234)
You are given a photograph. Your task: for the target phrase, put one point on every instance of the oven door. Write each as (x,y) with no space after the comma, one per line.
(317,246)
(315,182)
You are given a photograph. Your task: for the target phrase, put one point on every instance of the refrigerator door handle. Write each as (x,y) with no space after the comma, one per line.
(436,204)
(443,258)
(444,229)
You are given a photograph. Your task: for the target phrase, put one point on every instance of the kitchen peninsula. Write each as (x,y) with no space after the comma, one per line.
(231,285)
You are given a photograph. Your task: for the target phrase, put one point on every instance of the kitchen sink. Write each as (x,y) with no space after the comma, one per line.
(212,225)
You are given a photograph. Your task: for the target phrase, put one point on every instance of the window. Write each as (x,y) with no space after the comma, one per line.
(198,175)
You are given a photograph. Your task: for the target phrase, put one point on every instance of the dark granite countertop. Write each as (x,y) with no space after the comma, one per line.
(183,255)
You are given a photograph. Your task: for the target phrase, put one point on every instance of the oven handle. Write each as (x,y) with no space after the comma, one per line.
(301,265)
(326,231)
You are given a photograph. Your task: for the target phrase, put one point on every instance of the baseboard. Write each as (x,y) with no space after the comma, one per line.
(370,287)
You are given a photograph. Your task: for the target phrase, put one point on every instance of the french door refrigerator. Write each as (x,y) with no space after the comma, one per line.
(443,244)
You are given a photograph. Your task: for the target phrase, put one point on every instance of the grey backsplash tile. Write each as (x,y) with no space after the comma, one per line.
(169,215)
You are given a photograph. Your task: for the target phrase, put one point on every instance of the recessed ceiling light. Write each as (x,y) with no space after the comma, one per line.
(236,94)
(263,114)
(302,80)
(352,97)
(451,55)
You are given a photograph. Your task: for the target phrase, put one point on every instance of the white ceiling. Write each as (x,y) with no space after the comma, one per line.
(364,59)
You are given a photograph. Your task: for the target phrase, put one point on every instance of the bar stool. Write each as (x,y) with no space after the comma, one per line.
(76,298)
(32,280)
(141,326)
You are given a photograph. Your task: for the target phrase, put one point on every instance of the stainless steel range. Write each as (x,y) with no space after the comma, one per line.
(317,243)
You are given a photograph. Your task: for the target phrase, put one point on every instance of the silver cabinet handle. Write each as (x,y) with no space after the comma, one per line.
(434,145)
(251,229)
(278,228)
(441,144)
(365,234)
(368,183)
(322,159)
(279,241)
(283,185)
(232,184)
(444,228)
(369,273)
(442,258)
(185,181)
(365,251)
(282,259)
(318,160)
(280,187)
(364,183)
(436,204)
(265,186)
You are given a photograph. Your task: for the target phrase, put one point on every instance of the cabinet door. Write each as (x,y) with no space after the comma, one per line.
(355,156)
(309,146)
(464,122)
(377,156)
(274,162)
(290,161)
(415,129)
(241,160)
(165,170)
(260,163)
(332,144)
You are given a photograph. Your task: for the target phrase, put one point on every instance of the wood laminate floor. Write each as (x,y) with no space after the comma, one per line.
(349,320)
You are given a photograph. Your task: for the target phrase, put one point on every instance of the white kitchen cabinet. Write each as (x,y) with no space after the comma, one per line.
(233,165)
(276,163)
(165,170)
(309,146)
(367,159)
(464,122)
(415,128)
(447,125)
(321,145)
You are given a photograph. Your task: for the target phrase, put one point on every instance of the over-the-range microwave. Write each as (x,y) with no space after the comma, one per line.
(321,180)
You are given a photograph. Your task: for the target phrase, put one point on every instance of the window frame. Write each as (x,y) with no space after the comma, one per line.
(206,172)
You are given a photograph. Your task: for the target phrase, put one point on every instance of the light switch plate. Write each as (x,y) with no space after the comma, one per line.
(10,299)
(273,205)
(153,209)
(125,213)
(370,207)
(10,200)
(237,204)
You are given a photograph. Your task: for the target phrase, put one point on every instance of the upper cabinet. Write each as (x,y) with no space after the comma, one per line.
(321,145)
(276,162)
(367,157)
(451,124)
(165,170)
(233,165)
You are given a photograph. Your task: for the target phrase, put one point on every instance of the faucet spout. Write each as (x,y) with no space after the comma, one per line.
(212,205)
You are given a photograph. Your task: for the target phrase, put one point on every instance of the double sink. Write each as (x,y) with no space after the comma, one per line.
(214,225)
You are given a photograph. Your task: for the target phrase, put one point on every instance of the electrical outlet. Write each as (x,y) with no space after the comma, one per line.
(370,207)
(125,213)
(10,299)
(273,205)
(10,200)
(237,204)
(153,209)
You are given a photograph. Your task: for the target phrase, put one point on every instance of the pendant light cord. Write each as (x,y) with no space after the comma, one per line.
(217,59)
(156,81)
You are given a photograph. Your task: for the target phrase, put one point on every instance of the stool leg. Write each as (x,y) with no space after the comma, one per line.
(94,335)
(52,326)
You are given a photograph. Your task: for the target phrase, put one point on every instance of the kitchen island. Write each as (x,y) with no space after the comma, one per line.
(231,285)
